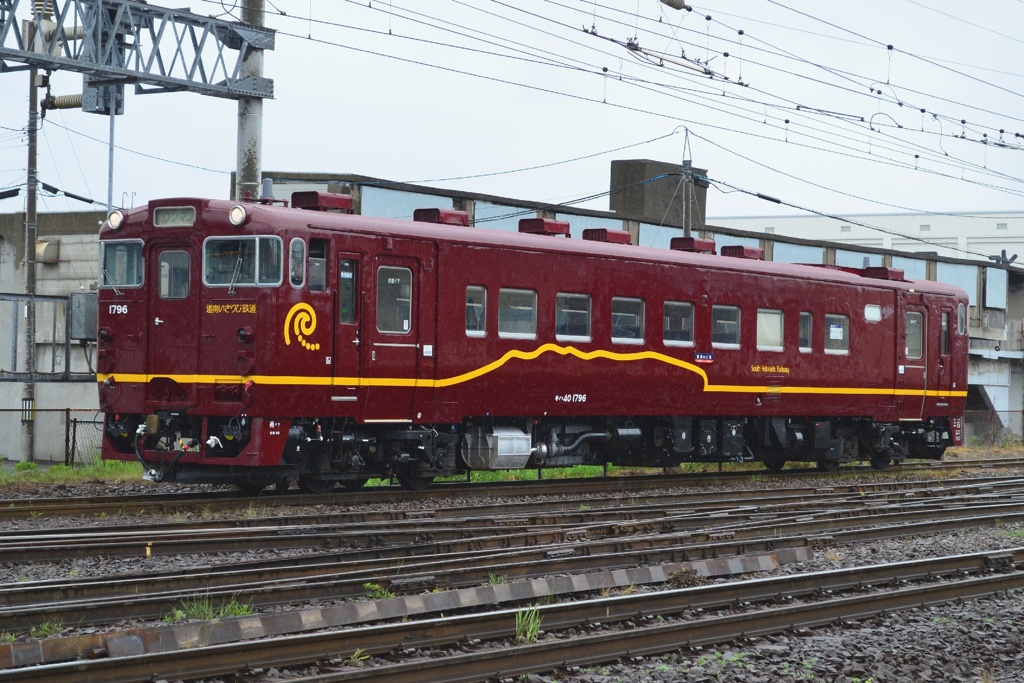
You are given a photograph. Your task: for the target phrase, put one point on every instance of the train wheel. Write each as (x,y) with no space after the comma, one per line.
(311,484)
(411,481)
(880,461)
(774,463)
(828,465)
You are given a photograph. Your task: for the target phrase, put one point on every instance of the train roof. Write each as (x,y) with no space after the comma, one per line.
(271,218)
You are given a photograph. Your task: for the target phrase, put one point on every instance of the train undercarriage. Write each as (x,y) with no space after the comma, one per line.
(321,454)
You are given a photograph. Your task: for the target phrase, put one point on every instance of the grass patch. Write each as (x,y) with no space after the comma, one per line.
(203,609)
(102,470)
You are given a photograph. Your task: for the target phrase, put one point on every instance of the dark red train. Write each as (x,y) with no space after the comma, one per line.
(259,344)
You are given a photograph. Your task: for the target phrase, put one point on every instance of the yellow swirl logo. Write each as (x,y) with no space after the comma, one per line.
(302,319)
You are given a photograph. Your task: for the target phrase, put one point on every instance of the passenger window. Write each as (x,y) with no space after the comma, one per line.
(174,275)
(517,314)
(572,317)
(476,311)
(944,336)
(873,313)
(394,300)
(769,329)
(627,320)
(317,265)
(677,325)
(961,319)
(915,335)
(837,333)
(806,330)
(725,327)
(348,286)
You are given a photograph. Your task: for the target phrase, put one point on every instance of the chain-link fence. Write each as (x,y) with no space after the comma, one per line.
(70,436)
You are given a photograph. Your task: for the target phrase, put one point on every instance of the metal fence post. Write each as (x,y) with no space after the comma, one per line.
(68,454)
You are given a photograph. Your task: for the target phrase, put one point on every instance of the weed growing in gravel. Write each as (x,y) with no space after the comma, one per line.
(497,579)
(256,511)
(25,466)
(528,625)
(357,658)
(203,609)
(47,628)
(6,638)
(375,591)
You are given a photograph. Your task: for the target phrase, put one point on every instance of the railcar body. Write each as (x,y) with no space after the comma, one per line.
(260,344)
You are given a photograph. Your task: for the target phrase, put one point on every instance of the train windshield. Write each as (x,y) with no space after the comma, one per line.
(241,262)
(121,263)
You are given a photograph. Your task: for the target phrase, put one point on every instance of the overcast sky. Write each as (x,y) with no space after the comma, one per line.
(533,99)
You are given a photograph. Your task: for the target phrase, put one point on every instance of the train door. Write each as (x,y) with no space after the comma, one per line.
(347,357)
(945,370)
(912,366)
(398,332)
(171,324)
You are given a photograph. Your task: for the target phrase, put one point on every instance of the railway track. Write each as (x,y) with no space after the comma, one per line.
(810,600)
(428,553)
(216,501)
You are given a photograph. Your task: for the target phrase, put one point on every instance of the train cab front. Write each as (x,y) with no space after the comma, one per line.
(178,306)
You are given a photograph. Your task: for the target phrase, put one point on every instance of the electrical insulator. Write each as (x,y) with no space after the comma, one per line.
(674,4)
(63,102)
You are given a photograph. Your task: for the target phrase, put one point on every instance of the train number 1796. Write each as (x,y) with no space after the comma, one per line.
(570,398)
(118,309)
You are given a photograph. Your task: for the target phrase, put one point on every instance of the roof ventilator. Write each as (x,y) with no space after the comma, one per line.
(699,245)
(740,251)
(441,216)
(544,226)
(884,273)
(606,235)
(314,200)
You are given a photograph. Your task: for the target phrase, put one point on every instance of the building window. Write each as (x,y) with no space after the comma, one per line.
(770,230)
(1000,226)
(926,228)
(844,228)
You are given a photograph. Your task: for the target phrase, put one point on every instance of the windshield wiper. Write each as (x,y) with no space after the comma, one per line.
(234,276)
(110,281)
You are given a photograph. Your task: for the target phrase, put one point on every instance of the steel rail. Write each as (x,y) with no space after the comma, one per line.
(19,508)
(615,546)
(577,651)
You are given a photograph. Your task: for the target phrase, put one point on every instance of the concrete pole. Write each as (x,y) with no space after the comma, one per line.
(29,395)
(250,114)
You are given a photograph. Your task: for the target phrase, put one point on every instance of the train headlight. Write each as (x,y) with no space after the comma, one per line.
(115,219)
(237,215)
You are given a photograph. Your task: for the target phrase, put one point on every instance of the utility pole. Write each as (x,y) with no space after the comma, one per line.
(250,112)
(28,399)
